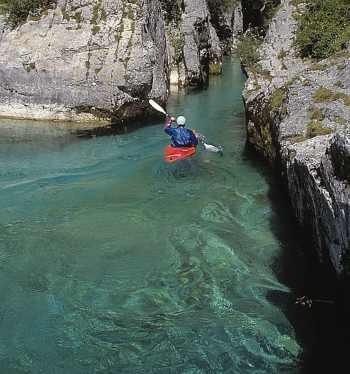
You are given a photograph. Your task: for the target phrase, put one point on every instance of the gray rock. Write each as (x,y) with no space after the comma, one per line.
(85,60)
(292,107)
(339,152)
(193,44)
(227,19)
(199,32)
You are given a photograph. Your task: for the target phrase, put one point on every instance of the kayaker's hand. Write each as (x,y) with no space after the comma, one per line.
(172,119)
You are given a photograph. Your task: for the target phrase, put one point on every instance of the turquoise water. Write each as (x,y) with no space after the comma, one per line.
(113,262)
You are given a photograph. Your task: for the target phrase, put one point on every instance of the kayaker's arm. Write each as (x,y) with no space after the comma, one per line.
(194,138)
(167,126)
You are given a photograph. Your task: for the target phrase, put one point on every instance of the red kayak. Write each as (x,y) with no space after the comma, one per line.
(172,154)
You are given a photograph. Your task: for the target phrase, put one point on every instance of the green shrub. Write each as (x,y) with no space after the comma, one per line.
(324,94)
(17,11)
(277,98)
(172,10)
(296,138)
(282,54)
(342,96)
(315,128)
(316,114)
(177,39)
(247,49)
(339,84)
(324,28)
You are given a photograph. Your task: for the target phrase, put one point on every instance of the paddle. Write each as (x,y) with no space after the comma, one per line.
(201,138)
(157,107)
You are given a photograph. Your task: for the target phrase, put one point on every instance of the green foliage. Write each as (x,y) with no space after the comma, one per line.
(282,54)
(324,28)
(306,83)
(339,84)
(340,121)
(95,13)
(318,67)
(78,17)
(316,114)
(17,11)
(29,67)
(177,39)
(247,49)
(277,98)
(229,3)
(342,96)
(172,10)
(215,69)
(95,29)
(324,94)
(296,138)
(315,128)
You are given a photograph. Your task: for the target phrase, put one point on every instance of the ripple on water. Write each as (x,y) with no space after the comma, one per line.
(112,261)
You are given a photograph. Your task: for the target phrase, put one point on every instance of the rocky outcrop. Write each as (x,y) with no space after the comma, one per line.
(257,13)
(298,117)
(193,44)
(227,19)
(85,60)
(99,61)
(199,33)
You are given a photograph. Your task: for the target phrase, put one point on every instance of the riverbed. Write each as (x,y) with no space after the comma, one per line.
(112,261)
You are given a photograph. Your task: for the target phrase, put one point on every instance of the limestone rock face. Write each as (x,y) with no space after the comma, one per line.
(340,156)
(85,60)
(196,29)
(227,19)
(193,43)
(298,117)
(199,33)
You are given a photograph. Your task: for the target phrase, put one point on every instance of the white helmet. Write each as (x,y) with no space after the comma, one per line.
(181,120)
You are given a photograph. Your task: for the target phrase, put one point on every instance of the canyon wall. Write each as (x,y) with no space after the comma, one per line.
(99,61)
(298,117)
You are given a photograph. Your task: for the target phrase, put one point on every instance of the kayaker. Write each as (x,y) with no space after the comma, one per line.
(180,136)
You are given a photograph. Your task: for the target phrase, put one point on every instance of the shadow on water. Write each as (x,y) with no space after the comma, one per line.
(116,129)
(322,330)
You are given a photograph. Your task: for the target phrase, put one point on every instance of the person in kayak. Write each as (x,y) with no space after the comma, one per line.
(180,136)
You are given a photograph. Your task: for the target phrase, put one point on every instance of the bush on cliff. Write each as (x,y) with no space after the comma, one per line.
(17,11)
(247,49)
(172,10)
(324,28)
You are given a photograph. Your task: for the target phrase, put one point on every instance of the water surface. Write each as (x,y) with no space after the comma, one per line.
(112,261)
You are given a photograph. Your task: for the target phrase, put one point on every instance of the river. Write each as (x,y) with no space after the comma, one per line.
(112,261)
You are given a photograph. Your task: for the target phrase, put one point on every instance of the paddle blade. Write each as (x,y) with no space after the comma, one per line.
(157,106)
(212,148)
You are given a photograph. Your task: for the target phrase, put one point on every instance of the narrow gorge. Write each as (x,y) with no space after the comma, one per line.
(219,248)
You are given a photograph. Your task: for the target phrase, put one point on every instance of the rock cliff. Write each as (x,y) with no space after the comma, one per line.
(100,60)
(199,33)
(85,60)
(298,117)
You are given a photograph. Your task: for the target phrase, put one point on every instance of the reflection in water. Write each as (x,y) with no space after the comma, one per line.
(114,262)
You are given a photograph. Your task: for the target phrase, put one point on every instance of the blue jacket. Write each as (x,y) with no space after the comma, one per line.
(180,136)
